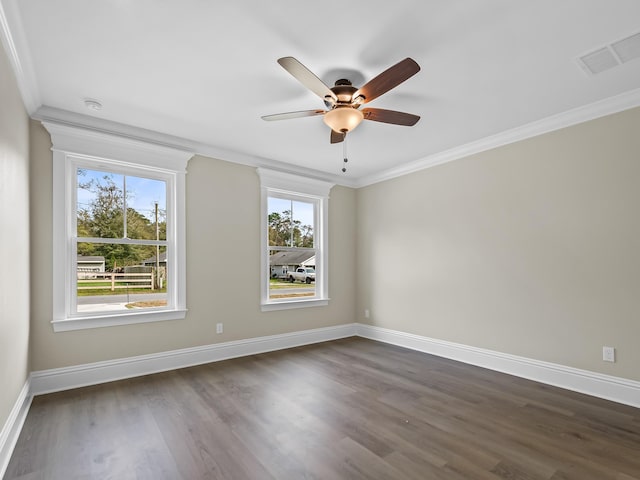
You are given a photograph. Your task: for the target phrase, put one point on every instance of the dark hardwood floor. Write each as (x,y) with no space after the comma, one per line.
(347,409)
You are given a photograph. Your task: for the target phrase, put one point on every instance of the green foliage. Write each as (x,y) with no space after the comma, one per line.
(285,232)
(104,218)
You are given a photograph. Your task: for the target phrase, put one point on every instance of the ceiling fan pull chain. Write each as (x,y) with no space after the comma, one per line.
(344,154)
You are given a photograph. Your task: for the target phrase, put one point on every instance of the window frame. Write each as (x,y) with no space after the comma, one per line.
(297,188)
(75,147)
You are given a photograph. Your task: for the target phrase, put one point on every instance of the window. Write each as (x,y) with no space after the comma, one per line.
(294,241)
(118,230)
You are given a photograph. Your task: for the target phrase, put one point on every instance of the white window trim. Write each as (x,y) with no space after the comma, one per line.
(301,187)
(74,145)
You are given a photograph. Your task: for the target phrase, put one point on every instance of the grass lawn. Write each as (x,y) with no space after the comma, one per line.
(147,304)
(276,284)
(291,295)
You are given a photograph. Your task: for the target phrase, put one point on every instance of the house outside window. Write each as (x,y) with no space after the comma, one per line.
(118,230)
(294,241)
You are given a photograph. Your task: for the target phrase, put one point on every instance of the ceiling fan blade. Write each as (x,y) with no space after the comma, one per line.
(306,77)
(390,116)
(337,137)
(390,78)
(288,115)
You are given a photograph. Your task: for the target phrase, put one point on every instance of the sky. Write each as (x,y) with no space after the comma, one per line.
(302,211)
(142,192)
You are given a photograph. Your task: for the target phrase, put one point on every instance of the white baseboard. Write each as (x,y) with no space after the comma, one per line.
(46,381)
(596,384)
(599,385)
(58,379)
(12,427)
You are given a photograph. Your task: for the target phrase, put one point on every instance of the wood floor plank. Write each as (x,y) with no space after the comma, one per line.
(347,409)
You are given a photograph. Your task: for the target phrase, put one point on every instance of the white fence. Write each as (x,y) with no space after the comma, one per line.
(114,281)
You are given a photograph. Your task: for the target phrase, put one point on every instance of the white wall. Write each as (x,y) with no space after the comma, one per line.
(223,265)
(530,249)
(14,241)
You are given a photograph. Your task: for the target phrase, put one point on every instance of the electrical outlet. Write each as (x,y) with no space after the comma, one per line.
(219,328)
(608,354)
(366,313)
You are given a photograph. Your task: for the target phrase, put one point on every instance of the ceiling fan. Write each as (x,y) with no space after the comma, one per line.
(343,100)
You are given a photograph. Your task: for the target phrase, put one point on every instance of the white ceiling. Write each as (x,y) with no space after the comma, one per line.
(205,71)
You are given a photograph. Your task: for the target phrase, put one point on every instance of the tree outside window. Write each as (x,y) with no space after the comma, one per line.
(111,209)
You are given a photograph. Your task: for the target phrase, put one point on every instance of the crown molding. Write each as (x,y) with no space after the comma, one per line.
(566,119)
(51,115)
(16,47)
(608,106)
(569,118)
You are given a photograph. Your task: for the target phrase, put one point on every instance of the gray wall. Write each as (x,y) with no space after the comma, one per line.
(530,249)
(223,267)
(14,241)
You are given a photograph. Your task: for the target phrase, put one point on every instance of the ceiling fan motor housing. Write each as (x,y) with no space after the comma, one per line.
(344,91)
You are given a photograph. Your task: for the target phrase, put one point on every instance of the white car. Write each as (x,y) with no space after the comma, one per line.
(303,274)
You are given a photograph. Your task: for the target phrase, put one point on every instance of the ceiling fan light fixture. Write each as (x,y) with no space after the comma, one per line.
(343,118)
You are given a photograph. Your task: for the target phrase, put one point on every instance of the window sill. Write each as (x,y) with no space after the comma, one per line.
(95,321)
(273,306)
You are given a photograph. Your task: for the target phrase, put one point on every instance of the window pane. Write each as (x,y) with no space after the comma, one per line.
(292,274)
(144,220)
(120,277)
(100,201)
(291,223)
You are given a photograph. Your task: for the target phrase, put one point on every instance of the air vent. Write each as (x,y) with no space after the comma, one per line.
(612,55)
(598,61)
(628,48)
